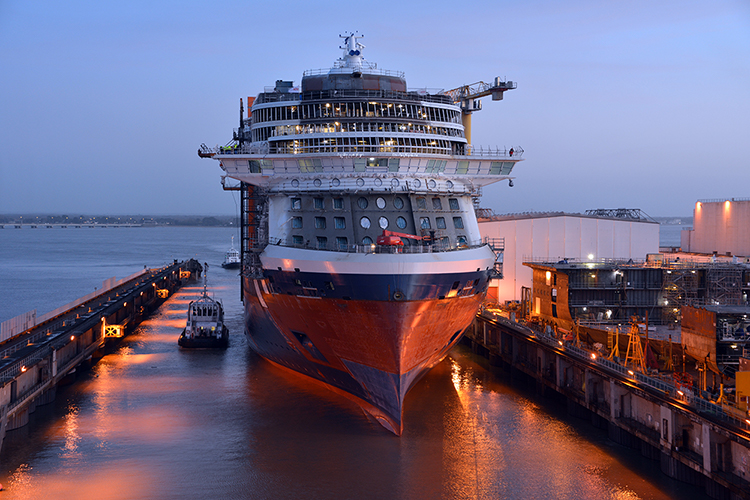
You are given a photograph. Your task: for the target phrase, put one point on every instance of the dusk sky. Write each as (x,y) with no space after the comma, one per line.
(636,104)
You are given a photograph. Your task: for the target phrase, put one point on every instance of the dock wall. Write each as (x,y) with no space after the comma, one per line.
(35,362)
(692,441)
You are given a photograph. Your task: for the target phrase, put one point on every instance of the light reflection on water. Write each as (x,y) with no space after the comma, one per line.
(151,420)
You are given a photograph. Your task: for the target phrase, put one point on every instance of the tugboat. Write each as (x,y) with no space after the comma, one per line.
(205,322)
(232,259)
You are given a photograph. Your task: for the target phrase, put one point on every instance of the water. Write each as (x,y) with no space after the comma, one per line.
(669,234)
(153,421)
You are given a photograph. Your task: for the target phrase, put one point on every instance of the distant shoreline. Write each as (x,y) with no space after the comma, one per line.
(26,220)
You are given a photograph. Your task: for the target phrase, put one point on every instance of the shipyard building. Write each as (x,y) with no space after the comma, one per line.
(719,227)
(596,236)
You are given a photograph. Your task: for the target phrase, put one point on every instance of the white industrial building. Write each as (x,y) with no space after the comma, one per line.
(551,237)
(719,226)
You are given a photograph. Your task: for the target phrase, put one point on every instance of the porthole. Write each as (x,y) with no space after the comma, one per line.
(431,184)
(417,183)
(295,183)
(449,184)
(335,182)
(398,203)
(378,182)
(360,182)
(317,182)
(364,222)
(380,202)
(362,202)
(401,223)
(394,183)
(383,222)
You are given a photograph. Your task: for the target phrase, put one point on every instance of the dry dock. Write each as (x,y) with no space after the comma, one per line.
(692,439)
(38,353)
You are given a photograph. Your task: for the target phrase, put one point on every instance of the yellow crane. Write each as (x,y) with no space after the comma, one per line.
(467,97)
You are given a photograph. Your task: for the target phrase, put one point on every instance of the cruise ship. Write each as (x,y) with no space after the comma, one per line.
(362,262)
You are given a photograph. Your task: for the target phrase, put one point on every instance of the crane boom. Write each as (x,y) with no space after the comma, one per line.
(467,97)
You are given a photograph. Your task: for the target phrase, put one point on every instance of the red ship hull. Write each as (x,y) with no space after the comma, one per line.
(370,351)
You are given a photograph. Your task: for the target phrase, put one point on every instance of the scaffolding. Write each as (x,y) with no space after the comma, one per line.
(724,284)
(699,284)
(254,227)
(635,354)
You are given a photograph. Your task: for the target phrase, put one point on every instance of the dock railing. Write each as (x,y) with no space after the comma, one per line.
(668,389)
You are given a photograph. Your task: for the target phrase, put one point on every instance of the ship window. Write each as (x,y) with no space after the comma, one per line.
(456,284)
(440,222)
(437,204)
(364,222)
(319,203)
(322,242)
(298,240)
(461,240)
(421,202)
(507,167)
(296,204)
(380,202)
(424,222)
(453,202)
(341,243)
(320,222)
(362,202)
(339,223)
(383,222)
(367,240)
(398,203)
(338,203)
(310,165)
(377,162)
(458,222)
(554,310)
(401,223)
(296,222)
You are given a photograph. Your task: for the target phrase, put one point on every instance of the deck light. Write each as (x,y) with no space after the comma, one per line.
(593,356)
(560,342)
(680,393)
(73,337)
(23,368)
(631,373)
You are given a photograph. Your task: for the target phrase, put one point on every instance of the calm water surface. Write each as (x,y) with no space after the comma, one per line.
(153,421)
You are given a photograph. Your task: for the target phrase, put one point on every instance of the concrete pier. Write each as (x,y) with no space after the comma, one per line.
(692,439)
(35,361)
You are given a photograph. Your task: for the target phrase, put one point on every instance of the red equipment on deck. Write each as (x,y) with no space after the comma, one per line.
(393,238)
